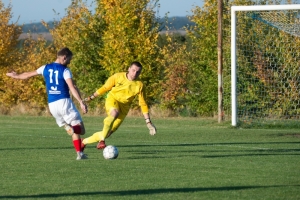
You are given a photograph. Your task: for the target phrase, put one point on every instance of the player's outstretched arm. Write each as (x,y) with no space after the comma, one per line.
(109,84)
(24,75)
(150,125)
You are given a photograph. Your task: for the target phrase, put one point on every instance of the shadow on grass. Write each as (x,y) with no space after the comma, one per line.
(206,144)
(243,155)
(236,151)
(143,192)
(232,144)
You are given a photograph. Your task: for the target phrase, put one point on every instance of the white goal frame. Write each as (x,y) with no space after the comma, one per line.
(234,9)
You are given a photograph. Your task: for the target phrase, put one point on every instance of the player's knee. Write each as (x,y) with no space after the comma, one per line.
(114,113)
(79,129)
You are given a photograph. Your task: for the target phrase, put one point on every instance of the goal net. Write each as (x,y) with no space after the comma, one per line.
(265,65)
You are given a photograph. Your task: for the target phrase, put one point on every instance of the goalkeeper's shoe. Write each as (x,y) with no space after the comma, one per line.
(69,129)
(101,145)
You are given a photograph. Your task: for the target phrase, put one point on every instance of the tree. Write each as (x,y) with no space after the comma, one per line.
(203,96)
(82,32)
(9,34)
(32,92)
(21,57)
(131,34)
(175,74)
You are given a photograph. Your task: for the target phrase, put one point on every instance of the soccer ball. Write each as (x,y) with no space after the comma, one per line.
(110,152)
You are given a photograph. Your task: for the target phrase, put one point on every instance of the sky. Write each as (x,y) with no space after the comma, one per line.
(33,11)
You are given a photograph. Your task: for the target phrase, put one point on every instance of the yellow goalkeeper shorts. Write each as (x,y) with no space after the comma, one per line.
(110,104)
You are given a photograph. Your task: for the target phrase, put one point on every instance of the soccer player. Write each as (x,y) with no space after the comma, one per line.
(59,83)
(123,88)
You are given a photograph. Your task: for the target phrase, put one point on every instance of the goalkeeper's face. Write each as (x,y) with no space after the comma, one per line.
(133,72)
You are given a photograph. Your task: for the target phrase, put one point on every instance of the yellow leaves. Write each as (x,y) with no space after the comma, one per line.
(12,58)
(120,32)
(76,25)
(127,35)
(9,34)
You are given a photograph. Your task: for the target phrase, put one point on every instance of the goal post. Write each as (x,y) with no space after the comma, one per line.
(265,63)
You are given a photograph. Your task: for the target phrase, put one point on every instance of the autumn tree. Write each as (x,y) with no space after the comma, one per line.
(31,92)
(82,31)
(131,34)
(108,40)
(9,34)
(203,77)
(175,75)
(268,66)
(203,81)
(26,58)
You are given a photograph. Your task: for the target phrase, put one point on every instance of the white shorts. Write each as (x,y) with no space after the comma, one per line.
(65,112)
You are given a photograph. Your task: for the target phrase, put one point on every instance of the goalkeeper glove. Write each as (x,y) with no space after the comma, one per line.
(89,98)
(151,127)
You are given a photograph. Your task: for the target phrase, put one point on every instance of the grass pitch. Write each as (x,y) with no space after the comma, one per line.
(187,159)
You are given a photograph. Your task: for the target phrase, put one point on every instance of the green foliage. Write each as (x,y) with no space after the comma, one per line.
(26,59)
(180,70)
(34,54)
(9,34)
(202,84)
(108,41)
(268,71)
(174,84)
(131,36)
(203,78)
(82,32)
(177,38)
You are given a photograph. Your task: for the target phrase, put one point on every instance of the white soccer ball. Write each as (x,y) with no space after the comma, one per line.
(110,152)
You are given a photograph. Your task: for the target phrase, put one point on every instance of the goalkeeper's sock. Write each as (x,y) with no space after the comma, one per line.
(92,139)
(77,145)
(108,122)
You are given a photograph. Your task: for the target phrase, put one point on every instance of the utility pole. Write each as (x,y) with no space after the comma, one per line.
(220,62)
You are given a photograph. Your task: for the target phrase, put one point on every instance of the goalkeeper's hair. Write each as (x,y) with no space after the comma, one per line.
(136,63)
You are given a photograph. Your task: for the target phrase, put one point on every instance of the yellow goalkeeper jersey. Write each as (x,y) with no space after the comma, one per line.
(124,90)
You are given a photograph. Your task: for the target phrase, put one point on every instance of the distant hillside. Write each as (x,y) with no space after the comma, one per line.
(177,23)
(36,27)
(174,23)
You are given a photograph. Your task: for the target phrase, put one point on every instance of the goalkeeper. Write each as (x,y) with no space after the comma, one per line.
(123,88)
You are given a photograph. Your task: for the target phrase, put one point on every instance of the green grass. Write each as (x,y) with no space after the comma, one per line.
(187,159)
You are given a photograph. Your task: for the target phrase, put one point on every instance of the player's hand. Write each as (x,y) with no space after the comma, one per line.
(152,128)
(11,74)
(84,107)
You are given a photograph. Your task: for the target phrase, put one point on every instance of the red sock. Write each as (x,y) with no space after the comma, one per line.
(77,129)
(77,145)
